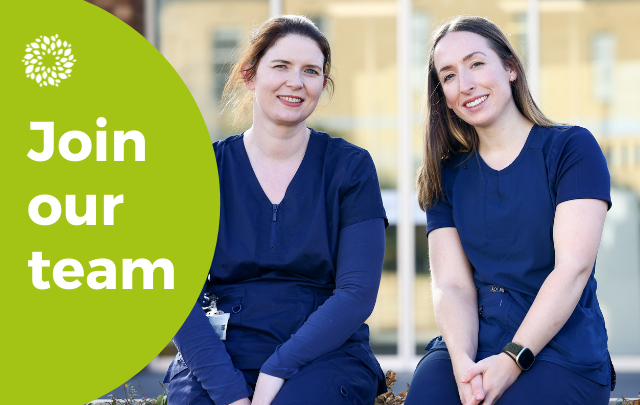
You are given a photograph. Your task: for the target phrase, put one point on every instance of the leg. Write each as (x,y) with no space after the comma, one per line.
(185,389)
(336,378)
(550,384)
(433,381)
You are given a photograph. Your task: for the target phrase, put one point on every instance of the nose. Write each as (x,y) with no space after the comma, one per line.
(294,79)
(467,84)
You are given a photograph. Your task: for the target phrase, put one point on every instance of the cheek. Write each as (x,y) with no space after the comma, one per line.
(315,88)
(450,95)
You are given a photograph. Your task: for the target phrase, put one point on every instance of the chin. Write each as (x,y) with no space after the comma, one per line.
(289,121)
(292,117)
(479,122)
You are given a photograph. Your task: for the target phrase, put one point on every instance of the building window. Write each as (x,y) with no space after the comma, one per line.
(603,50)
(225,41)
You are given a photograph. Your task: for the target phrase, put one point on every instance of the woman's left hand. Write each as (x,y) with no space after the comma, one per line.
(498,373)
(267,387)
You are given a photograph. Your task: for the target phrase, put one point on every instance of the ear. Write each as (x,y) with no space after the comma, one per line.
(513,74)
(247,82)
(511,68)
(325,82)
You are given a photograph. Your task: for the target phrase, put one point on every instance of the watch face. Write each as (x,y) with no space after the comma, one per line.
(525,358)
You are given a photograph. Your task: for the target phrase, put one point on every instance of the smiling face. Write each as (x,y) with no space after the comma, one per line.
(474,79)
(288,81)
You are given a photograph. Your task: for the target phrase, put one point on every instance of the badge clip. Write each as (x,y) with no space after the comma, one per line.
(217,318)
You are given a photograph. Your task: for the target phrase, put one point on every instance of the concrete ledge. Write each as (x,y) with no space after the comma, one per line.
(612,401)
(119,401)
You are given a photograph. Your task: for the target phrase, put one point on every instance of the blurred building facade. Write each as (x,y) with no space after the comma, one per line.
(583,57)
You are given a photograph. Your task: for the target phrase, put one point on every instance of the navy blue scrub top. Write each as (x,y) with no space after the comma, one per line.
(505,222)
(280,259)
(275,265)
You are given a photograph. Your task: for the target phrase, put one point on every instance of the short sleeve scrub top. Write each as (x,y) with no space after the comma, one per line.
(505,222)
(275,264)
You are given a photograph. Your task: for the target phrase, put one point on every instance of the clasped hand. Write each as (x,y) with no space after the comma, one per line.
(488,379)
(267,387)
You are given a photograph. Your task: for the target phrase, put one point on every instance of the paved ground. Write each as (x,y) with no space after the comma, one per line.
(628,382)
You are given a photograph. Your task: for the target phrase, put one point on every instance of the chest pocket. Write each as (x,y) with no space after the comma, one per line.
(231,300)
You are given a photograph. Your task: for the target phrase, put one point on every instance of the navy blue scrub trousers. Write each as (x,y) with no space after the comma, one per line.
(544,383)
(334,378)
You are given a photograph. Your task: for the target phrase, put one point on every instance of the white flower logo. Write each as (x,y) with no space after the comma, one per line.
(48,60)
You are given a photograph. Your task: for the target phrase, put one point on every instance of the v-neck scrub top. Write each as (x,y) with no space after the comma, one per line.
(275,265)
(505,222)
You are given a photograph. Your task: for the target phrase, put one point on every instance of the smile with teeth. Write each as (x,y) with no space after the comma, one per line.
(476,101)
(291,99)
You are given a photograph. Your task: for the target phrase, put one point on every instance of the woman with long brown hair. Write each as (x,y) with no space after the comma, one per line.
(300,245)
(515,209)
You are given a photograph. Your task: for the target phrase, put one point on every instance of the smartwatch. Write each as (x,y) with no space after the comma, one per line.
(523,356)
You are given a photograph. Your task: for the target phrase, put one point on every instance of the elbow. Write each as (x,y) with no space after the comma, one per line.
(454,287)
(578,270)
(358,303)
(446,294)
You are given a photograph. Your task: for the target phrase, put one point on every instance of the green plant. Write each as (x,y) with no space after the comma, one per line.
(130,397)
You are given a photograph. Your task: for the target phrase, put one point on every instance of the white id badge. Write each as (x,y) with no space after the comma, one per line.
(219,322)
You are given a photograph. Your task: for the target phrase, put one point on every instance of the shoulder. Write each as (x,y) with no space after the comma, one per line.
(226,144)
(561,140)
(338,148)
(342,159)
(351,180)
(227,147)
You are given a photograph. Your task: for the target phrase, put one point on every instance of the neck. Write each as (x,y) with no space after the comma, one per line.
(276,142)
(504,134)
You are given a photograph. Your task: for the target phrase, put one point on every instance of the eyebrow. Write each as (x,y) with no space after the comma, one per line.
(463,59)
(286,62)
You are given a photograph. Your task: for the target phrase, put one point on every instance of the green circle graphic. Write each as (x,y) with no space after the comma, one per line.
(70,336)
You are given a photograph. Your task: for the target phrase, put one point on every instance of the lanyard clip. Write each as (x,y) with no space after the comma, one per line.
(212,300)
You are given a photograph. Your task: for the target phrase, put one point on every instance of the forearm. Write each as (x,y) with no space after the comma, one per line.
(552,307)
(456,311)
(455,296)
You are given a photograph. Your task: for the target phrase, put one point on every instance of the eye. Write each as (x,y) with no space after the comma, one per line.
(447,78)
(280,66)
(311,71)
(476,64)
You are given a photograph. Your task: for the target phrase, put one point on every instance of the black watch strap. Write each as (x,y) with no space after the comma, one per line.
(523,356)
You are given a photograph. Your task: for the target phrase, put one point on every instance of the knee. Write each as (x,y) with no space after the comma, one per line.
(185,389)
(336,381)
(433,381)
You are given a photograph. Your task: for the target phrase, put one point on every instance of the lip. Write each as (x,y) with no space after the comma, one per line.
(464,104)
(288,103)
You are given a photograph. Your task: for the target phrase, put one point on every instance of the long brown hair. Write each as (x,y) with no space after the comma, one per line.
(447,135)
(236,98)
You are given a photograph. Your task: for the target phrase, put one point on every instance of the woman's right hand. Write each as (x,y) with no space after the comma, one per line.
(472,392)
(243,401)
